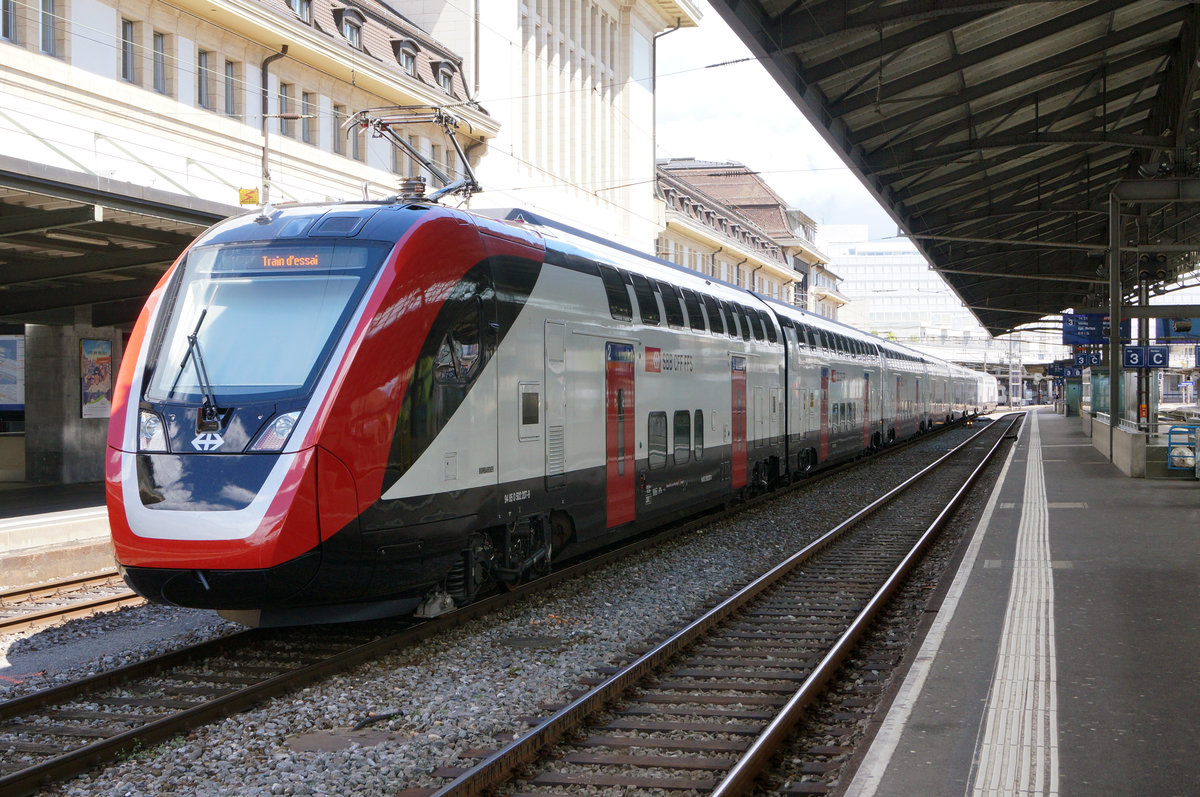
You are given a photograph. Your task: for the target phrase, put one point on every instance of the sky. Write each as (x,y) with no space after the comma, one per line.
(736,112)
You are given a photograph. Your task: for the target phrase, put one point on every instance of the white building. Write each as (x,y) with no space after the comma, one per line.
(571,84)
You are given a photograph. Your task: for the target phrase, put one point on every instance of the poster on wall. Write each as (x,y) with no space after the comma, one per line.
(95,369)
(12,373)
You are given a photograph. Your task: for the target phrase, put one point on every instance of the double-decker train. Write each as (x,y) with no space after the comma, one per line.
(345,411)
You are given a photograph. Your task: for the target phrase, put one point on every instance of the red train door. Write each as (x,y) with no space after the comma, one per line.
(619,439)
(738,371)
(823,441)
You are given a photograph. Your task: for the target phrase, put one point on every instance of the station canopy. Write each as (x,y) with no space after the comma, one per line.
(995,132)
(67,244)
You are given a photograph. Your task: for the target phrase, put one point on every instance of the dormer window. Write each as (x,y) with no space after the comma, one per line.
(443,71)
(302,9)
(350,23)
(406,55)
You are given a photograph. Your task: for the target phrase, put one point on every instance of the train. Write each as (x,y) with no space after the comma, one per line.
(347,411)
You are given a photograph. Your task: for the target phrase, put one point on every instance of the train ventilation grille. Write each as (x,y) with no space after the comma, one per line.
(556,451)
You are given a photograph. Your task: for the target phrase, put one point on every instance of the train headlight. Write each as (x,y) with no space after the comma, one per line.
(151,434)
(277,432)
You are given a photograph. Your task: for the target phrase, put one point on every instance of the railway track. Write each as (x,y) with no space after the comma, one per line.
(707,709)
(58,601)
(56,733)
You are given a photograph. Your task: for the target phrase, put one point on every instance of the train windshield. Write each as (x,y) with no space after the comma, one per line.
(264,315)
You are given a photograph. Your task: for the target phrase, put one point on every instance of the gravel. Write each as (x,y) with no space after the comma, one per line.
(465,690)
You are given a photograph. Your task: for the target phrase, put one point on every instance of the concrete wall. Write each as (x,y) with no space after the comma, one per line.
(1129,453)
(60,445)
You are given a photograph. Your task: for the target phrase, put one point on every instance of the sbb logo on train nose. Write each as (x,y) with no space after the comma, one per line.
(209,441)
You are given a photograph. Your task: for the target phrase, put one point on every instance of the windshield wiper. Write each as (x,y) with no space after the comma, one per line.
(208,409)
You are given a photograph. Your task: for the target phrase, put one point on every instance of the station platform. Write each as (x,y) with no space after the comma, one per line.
(1063,657)
(49,532)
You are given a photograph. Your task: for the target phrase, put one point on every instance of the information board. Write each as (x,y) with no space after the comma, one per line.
(1083,328)
(12,373)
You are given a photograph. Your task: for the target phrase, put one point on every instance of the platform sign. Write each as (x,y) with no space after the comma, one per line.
(1145,356)
(1085,360)
(1054,369)
(1083,328)
(1072,372)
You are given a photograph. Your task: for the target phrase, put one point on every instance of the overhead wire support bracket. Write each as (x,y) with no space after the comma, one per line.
(383,120)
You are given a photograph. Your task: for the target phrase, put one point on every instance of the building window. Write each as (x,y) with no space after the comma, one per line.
(446,80)
(414,166)
(160,62)
(350,24)
(203,80)
(302,9)
(339,135)
(128,54)
(231,88)
(356,147)
(406,55)
(48,27)
(285,107)
(8,20)
(308,124)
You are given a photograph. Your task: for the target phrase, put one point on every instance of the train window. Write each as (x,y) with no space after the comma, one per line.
(619,306)
(716,322)
(695,317)
(835,419)
(529,407)
(656,440)
(683,437)
(769,326)
(733,321)
(743,319)
(698,435)
(647,303)
(755,322)
(671,303)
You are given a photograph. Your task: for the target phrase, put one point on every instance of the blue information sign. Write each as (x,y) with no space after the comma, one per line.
(1134,357)
(1083,359)
(1054,369)
(1084,328)
(1145,356)
(1072,372)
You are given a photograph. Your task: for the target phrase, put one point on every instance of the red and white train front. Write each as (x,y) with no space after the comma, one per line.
(255,408)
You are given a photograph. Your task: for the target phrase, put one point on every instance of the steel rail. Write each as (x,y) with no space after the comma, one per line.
(499,767)
(74,761)
(75,610)
(55,587)
(757,758)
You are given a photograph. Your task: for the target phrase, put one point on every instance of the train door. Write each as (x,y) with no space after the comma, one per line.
(758,416)
(776,430)
(866,419)
(619,433)
(738,372)
(823,440)
(556,405)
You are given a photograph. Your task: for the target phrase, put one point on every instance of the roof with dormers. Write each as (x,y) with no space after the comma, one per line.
(384,34)
(692,201)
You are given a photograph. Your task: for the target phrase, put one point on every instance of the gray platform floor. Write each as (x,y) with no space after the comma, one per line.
(1064,660)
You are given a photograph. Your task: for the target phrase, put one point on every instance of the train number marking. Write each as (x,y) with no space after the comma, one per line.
(519,495)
